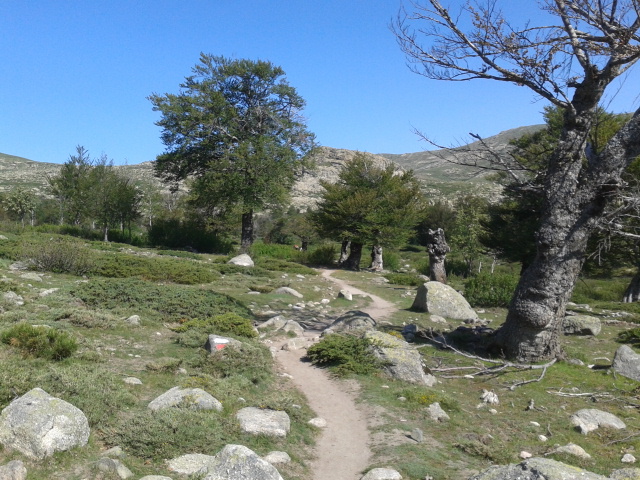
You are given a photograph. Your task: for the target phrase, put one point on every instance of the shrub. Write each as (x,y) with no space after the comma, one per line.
(194,332)
(630,336)
(43,342)
(58,255)
(490,290)
(324,255)
(173,233)
(274,250)
(344,354)
(121,265)
(390,260)
(278,265)
(409,279)
(168,302)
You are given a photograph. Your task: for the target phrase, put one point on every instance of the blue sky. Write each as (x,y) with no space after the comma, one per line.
(78,73)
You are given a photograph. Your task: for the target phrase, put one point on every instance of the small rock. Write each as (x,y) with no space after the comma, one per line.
(347,295)
(573,449)
(132,381)
(190,464)
(437,319)
(116,452)
(275,457)
(417,435)
(542,438)
(259,421)
(628,458)
(590,419)
(133,320)
(288,291)
(243,260)
(524,455)
(489,397)
(382,474)
(14,470)
(535,424)
(47,292)
(436,413)
(111,465)
(318,422)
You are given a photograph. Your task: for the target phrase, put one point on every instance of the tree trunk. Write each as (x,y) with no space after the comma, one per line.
(344,251)
(632,294)
(106,233)
(355,254)
(304,246)
(576,193)
(438,249)
(376,258)
(246,239)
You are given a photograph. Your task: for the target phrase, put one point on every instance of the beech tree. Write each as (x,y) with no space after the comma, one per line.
(369,204)
(236,130)
(569,62)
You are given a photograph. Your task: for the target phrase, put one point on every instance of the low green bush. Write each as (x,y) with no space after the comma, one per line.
(390,260)
(173,233)
(40,341)
(630,336)
(274,250)
(58,255)
(275,264)
(323,255)
(409,279)
(194,332)
(344,354)
(163,302)
(490,290)
(186,272)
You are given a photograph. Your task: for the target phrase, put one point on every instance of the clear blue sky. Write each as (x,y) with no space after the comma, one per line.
(78,73)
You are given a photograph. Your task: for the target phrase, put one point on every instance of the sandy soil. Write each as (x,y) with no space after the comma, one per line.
(342,451)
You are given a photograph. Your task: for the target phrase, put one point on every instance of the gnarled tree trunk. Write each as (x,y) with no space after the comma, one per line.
(344,251)
(576,195)
(246,238)
(353,260)
(632,294)
(438,249)
(376,258)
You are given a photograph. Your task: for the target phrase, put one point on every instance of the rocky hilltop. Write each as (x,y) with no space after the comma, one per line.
(442,171)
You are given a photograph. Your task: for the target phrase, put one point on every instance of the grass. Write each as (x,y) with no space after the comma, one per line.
(172,290)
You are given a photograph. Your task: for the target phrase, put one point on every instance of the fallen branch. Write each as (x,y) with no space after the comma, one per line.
(623,439)
(544,371)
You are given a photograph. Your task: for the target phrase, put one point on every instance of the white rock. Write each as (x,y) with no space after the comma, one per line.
(318,422)
(628,458)
(382,474)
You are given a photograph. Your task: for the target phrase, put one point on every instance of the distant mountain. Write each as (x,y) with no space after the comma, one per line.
(440,170)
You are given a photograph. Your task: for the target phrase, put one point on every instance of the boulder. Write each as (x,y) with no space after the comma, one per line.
(581,325)
(535,469)
(277,457)
(400,360)
(288,291)
(38,425)
(590,419)
(346,294)
(353,321)
(436,413)
(218,342)
(114,466)
(237,462)
(258,421)
(243,260)
(573,449)
(276,323)
(382,474)
(192,398)
(439,299)
(14,470)
(190,464)
(625,474)
(626,362)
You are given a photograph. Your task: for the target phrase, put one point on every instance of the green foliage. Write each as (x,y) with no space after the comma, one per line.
(40,341)
(251,361)
(121,265)
(255,138)
(283,266)
(323,255)
(228,323)
(467,231)
(416,398)
(369,204)
(631,336)
(20,202)
(409,279)
(490,290)
(58,255)
(391,260)
(166,302)
(274,250)
(344,354)
(590,290)
(176,233)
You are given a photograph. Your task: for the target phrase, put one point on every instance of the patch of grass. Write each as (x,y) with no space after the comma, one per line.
(252,361)
(344,355)
(164,302)
(631,337)
(40,341)
(408,279)
(122,265)
(490,290)
(275,264)
(590,290)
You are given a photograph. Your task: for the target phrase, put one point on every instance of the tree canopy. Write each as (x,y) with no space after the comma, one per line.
(235,128)
(569,58)
(369,204)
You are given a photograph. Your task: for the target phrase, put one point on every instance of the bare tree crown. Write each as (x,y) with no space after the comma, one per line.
(593,42)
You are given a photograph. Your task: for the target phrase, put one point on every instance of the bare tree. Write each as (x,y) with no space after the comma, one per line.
(569,62)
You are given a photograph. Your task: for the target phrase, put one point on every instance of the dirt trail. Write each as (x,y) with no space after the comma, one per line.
(342,451)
